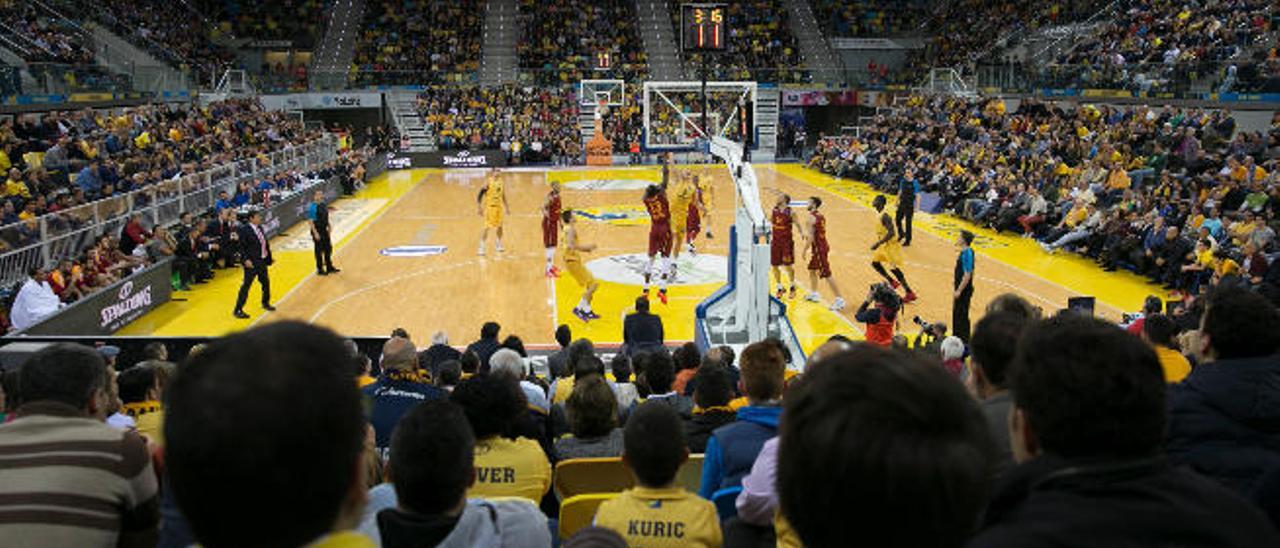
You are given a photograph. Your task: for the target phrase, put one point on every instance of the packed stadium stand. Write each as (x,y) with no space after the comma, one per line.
(560,40)
(871,18)
(1088,156)
(420,41)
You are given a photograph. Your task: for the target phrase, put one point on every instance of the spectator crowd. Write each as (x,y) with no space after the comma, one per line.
(1177,195)
(530,124)
(561,41)
(419,42)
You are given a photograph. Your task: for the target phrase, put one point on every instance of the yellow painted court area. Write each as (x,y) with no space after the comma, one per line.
(457,290)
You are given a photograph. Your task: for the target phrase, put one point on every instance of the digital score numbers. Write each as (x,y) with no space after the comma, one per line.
(703,27)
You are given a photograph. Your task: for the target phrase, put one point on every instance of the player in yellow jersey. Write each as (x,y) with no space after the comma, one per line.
(491,204)
(682,195)
(888,251)
(573,250)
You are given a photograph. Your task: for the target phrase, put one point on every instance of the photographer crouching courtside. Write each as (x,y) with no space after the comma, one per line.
(880,312)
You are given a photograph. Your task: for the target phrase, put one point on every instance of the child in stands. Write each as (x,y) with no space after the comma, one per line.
(657,512)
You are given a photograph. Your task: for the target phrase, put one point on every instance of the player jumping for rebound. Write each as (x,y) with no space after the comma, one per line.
(492,204)
(819,266)
(551,228)
(655,202)
(888,251)
(573,263)
(782,247)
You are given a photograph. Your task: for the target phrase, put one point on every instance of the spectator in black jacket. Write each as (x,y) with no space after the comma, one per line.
(714,390)
(1224,418)
(487,345)
(558,363)
(642,331)
(1086,478)
(438,353)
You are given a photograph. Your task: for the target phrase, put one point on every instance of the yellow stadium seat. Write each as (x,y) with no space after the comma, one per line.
(579,511)
(690,474)
(594,475)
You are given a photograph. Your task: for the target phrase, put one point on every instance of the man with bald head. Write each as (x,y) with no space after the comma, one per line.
(401,387)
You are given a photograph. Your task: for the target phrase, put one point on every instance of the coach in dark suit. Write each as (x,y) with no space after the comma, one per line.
(255,252)
(642,331)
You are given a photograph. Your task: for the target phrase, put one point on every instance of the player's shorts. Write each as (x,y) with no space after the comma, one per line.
(679,218)
(782,252)
(580,273)
(550,233)
(694,225)
(660,240)
(493,216)
(888,254)
(818,263)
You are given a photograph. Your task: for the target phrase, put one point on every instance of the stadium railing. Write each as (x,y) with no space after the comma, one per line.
(66,233)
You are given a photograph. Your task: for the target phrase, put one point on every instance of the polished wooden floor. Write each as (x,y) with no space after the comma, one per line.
(457,290)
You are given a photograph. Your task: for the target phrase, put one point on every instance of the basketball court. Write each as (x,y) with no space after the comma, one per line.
(407,246)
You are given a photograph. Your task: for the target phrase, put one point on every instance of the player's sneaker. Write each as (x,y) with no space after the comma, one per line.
(792,294)
(480,251)
(692,250)
(662,296)
(549,273)
(811,297)
(498,247)
(591,315)
(582,314)
(838,305)
(910,297)
(895,284)
(555,272)
(781,293)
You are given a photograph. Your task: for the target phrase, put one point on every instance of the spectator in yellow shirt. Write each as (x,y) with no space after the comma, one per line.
(504,467)
(15,186)
(657,513)
(140,393)
(1159,331)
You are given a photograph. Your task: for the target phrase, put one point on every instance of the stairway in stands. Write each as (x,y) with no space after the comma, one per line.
(337,48)
(816,50)
(659,37)
(407,119)
(768,106)
(501,31)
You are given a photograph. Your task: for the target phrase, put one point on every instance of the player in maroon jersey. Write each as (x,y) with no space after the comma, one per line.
(551,228)
(655,202)
(819,266)
(782,247)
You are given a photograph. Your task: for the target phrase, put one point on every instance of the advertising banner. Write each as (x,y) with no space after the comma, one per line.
(448,159)
(802,98)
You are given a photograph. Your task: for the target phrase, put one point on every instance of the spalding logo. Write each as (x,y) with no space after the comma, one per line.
(127,302)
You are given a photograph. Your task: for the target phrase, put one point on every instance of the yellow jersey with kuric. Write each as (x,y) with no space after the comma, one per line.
(510,468)
(658,518)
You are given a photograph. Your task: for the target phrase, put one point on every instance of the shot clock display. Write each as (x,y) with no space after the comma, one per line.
(702,27)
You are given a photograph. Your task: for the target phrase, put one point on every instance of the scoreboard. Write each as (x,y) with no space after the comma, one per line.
(702,27)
